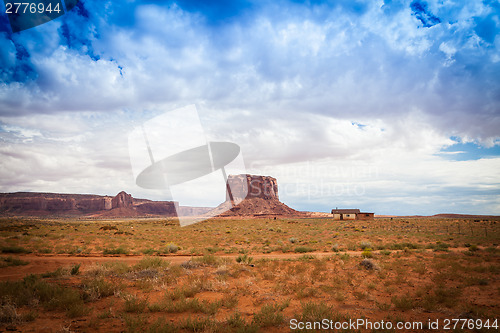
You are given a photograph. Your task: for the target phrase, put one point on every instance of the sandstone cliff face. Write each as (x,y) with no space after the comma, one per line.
(262,199)
(50,202)
(167,208)
(263,187)
(123,204)
(122,200)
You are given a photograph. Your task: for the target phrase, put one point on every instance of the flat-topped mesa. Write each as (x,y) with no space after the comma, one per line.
(121,205)
(263,187)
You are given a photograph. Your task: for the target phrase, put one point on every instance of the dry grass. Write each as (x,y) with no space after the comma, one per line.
(412,267)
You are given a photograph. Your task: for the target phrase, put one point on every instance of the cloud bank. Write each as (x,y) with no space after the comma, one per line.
(332,84)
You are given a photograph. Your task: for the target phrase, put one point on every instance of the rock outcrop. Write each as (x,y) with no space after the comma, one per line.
(261,199)
(123,204)
(122,200)
(251,196)
(252,186)
(52,202)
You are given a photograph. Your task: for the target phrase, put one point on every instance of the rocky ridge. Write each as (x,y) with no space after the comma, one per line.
(123,204)
(250,196)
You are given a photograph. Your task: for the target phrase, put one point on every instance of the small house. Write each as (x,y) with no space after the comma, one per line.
(351,214)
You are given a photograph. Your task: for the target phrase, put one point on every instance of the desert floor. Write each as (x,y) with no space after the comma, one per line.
(248,275)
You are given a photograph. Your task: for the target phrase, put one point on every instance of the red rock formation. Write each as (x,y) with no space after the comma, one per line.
(25,203)
(261,200)
(50,202)
(122,200)
(263,187)
(167,208)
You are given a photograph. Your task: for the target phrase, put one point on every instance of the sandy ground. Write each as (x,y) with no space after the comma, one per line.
(39,264)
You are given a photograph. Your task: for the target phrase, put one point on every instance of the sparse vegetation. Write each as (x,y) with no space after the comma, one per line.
(14,249)
(171,248)
(11,261)
(365,244)
(269,315)
(369,264)
(303,249)
(249,281)
(135,304)
(367,253)
(244,259)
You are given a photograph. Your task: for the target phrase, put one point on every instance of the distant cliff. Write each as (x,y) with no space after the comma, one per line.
(123,204)
(256,196)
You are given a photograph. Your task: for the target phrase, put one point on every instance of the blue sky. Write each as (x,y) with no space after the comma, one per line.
(387,106)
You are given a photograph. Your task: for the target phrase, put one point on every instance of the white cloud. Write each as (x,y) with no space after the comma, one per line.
(289,86)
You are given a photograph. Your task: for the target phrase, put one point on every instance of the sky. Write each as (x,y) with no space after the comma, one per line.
(391,107)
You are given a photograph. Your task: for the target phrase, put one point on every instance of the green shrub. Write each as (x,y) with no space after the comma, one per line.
(312,312)
(269,315)
(207,259)
(198,324)
(97,288)
(238,324)
(135,304)
(307,257)
(33,290)
(230,301)
(403,302)
(303,249)
(181,293)
(473,248)
(148,251)
(439,246)
(367,253)
(116,267)
(75,270)
(369,264)
(161,326)
(171,248)
(345,257)
(365,245)
(235,320)
(14,249)
(307,292)
(244,259)
(60,271)
(11,261)
(136,323)
(151,263)
(402,246)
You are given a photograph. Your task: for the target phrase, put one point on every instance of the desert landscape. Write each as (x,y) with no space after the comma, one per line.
(249,166)
(259,267)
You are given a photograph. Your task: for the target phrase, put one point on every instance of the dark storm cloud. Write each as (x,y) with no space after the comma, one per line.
(422,13)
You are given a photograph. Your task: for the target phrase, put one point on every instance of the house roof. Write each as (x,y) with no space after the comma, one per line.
(345,211)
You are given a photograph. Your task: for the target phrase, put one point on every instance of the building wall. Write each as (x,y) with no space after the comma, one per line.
(360,216)
(366,216)
(344,216)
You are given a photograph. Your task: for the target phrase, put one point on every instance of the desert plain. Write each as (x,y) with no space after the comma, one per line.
(246,274)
